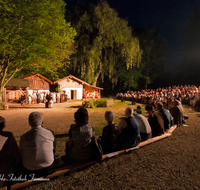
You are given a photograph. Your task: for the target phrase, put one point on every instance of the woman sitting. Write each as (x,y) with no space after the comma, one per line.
(9,154)
(110,134)
(78,147)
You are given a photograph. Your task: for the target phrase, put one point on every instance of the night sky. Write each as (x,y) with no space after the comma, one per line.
(170,16)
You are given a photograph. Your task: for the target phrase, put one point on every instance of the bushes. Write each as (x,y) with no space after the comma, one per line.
(97,103)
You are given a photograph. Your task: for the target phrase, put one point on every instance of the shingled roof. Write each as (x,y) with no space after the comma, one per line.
(18,82)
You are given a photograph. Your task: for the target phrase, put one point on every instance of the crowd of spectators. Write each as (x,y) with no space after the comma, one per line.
(35,156)
(36,153)
(188,94)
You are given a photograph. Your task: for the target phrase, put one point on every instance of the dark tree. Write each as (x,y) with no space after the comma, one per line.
(154,53)
(191,53)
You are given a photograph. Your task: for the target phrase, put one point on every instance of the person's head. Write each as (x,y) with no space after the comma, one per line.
(36,119)
(2,123)
(109,116)
(128,112)
(149,108)
(81,116)
(175,103)
(139,108)
(159,106)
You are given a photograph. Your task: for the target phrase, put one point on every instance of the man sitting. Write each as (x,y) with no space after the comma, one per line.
(177,113)
(10,157)
(156,121)
(110,133)
(138,110)
(145,128)
(129,131)
(165,114)
(37,147)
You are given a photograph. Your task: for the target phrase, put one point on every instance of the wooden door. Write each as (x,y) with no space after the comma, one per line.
(75,92)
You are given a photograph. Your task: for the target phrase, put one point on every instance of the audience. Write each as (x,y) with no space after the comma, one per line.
(145,128)
(188,94)
(177,113)
(9,153)
(129,131)
(37,147)
(78,147)
(156,121)
(138,110)
(110,134)
(166,116)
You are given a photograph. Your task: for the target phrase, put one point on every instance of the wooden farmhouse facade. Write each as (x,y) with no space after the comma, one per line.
(72,86)
(15,88)
(76,88)
(38,84)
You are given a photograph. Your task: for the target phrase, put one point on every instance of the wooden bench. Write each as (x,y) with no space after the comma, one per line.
(70,168)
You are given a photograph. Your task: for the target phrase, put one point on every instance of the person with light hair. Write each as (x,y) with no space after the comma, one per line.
(37,148)
(110,134)
(129,131)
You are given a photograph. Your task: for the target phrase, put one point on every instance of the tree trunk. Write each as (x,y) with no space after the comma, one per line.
(97,76)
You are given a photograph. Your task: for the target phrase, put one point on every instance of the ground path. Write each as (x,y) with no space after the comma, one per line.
(57,118)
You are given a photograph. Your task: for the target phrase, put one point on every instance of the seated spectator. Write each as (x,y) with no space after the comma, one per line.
(138,110)
(181,108)
(110,133)
(186,99)
(197,100)
(78,147)
(9,153)
(177,113)
(37,147)
(165,114)
(129,131)
(145,128)
(156,121)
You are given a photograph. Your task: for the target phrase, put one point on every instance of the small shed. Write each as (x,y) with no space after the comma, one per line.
(15,88)
(38,84)
(75,88)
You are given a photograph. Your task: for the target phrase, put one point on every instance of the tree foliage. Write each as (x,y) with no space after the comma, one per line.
(129,77)
(34,35)
(102,40)
(154,53)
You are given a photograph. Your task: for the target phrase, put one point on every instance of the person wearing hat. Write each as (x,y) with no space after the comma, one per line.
(129,131)
(37,147)
(165,114)
(9,154)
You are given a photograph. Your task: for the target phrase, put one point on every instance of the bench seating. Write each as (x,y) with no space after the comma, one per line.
(73,167)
